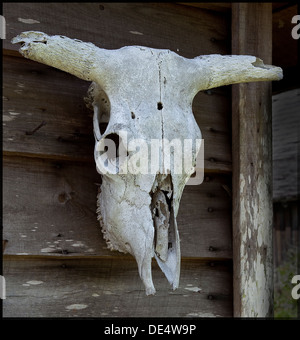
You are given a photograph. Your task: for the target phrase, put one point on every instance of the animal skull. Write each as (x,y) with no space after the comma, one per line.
(144,95)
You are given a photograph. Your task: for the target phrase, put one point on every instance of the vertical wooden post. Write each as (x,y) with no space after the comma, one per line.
(252,167)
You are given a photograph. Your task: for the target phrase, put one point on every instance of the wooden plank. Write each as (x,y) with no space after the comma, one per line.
(285,130)
(252,167)
(212,112)
(50,205)
(108,288)
(35,93)
(50,209)
(190,31)
(204,218)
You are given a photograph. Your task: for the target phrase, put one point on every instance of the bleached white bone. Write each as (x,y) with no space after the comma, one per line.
(143,94)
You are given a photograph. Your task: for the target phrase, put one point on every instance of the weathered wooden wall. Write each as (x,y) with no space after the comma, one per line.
(56,262)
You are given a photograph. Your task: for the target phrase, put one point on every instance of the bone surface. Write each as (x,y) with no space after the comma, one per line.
(141,95)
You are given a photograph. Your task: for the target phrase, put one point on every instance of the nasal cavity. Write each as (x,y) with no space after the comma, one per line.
(159,106)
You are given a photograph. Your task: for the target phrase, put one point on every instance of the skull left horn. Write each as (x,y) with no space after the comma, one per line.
(144,95)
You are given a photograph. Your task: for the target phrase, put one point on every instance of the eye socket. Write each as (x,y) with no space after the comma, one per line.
(110,152)
(112,143)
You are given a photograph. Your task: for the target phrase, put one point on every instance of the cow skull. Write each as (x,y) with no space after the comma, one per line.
(144,95)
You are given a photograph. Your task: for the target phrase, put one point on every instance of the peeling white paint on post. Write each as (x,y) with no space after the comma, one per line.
(252,169)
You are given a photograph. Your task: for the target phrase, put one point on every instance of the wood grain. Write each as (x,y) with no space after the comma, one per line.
(107,288)
(285,142)
(34,93)
(50,209)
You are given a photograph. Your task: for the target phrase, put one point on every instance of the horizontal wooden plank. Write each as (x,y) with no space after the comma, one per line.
(35,93)
(190,31)
(110,288)
(226,6)
(50,209)
(212,111)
